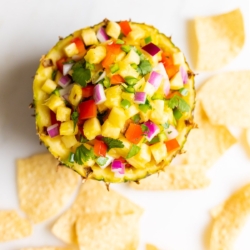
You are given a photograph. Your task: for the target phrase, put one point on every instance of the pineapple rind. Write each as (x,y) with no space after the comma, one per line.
(132,174)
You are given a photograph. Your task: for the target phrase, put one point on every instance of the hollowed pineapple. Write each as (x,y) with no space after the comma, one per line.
(106,122)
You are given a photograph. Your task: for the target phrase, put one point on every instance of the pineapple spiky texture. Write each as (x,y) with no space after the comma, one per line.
(105,102)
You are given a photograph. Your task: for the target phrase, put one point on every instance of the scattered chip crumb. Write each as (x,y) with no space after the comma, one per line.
(220,39)
(92,198)
(13,227)
(43,188)
(108,231)
(229,218)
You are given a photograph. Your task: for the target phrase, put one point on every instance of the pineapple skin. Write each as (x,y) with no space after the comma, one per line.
(42,118)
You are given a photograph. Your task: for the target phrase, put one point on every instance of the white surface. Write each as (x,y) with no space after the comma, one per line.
(28,29)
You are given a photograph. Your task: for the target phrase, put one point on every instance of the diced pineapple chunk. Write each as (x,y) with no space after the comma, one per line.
(144,154)
(54,102)
(71,50)
(49,86)
(145,116)
(120,56)
(43,116)
(68,128)
(101,107)
(69,140)
(157,111)
(56,146)
(92,128)
(109,130)
(132,57)
(137,33)
(136,162)
(158,105)
(117,117)
(95,55)
(126,70)
(89,37)
(128,96)
(132,110)
(113,29)
(149,89)
(178,58)
(139,84)
(176,82)
(159,151)
(75,95)
(63,114)
(127,145)
(113,96)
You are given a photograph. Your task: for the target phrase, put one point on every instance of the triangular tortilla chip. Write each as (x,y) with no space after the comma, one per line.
(43,190)
(206,144)
(151,247)
(13,227)
(92,198)
(229,219)
(225,99)
(219,38)
(108,231)
(175,178)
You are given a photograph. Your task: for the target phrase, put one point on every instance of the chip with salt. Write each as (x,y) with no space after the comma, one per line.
(108,231)
(225,99)
(229,218)
(13,227)
(175,178)
(92,198)
(206,144)
(219,39)
(42,188)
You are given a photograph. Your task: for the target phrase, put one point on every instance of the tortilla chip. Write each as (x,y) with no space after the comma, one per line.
(225,99)
(248,137)
(43,190)
(108,231)
(49,248)
(175,178)
(206,144)
(13,227)
(92,198)
(229,219)
(220,39)
(151,247)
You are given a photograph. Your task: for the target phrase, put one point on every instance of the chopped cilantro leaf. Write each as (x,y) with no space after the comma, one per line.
(112,143)
(74,117)
(83,154)
(154,140)
(136,118)
(144,128)
(177,114)
(81,76)
(179,103)
(133,151)
(90,66)
(83,140)
(101,161)
(144,67)
(53,76)
(165,125)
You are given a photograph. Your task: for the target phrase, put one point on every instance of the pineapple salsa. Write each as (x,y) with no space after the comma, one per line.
(114,102)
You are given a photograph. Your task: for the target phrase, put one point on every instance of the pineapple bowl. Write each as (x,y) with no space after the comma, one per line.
(114,102)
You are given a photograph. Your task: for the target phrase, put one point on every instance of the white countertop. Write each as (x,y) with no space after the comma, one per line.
(172,220)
